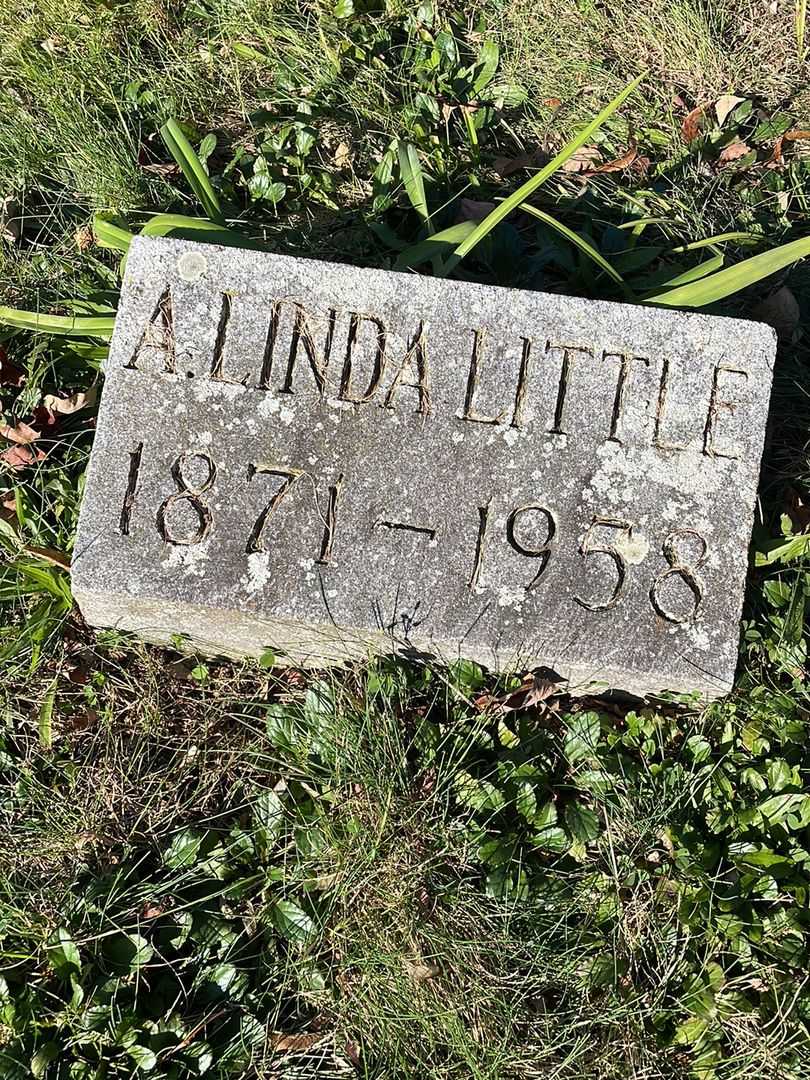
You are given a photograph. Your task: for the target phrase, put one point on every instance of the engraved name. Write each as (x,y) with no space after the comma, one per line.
(349,355)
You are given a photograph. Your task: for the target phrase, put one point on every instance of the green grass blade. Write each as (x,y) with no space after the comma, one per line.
(183,153)
(45,722)
(801,22)
(200,229)
(721,238)
(411,173)
(708,266)
(511,203)
(432,245)
(734,278)
(66,325)
(577,240)
(110,235)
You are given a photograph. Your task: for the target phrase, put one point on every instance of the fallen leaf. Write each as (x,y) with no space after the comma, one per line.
(781,311)
(83,237)
(690,128)
(552,102)
(419,971)
(49,555)
(794,135)
(725,104)
(18,457)
(352,1052)
(473,210)
(10,374)
(618,164)
(21,434)
(734,151)
(587,157)
(533,691)
(165,169)
(72,404)
(291,1044)
(343,155)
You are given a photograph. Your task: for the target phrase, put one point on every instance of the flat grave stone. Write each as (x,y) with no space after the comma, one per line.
(330,461)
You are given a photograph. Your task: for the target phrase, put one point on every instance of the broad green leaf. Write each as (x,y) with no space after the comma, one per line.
(708,266)
(437,244)
(46,1053)
(778,808)
(65,325)
(183,153)
(410,171)
(183,850)
(582,736)
(545,816)
(143,1057)
(511,203)
(487,65)
(63,953)
(291,921)
(582,822)
(690,1030)
(203,231)
(734,278)
(476,793)
(526,801)
(552,839)
(128,952)
(268,817)
(578,241)
(110,235)
(796,547)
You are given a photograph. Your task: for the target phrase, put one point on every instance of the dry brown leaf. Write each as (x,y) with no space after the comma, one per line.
(290,1044)
(618,164)
(72,404)
(166,169)
(49,555)
(552,102)
(690,128)
(781,311)
(794,135)
(418,971)
(734,151)
(83,237)
(10,374)
(343,155)
(725,104)
(533,691)
(21,434)
(587,157)
(19,457)
(352,1052)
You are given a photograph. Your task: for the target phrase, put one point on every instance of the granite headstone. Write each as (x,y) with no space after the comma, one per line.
(330,461)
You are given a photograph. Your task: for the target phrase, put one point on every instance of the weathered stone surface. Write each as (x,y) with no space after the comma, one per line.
(326,461)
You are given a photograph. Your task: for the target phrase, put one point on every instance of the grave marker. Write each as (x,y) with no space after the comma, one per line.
(327,460)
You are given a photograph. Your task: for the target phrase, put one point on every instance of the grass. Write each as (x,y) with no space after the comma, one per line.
(236,870)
